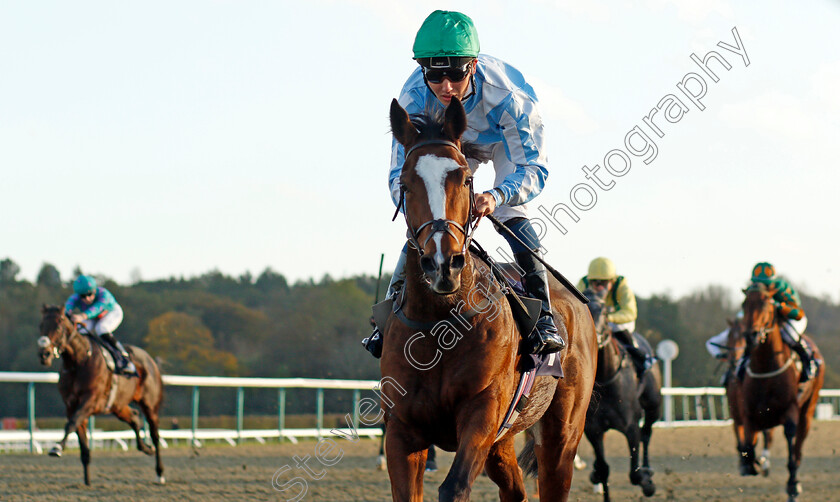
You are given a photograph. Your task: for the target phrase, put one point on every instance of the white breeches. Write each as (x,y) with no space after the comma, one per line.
(630,327)
(792,330)
(106,324)
(716,345)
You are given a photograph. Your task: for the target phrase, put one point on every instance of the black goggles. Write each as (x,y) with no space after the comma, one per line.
(456,74)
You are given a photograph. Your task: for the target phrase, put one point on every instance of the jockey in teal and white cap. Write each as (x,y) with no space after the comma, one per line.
(504,125)
(97,310)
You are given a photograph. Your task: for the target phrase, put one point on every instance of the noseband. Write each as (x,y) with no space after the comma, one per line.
(439,225)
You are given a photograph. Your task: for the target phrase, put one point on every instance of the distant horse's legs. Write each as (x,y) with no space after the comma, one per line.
(764,459)
(502,469)
(81,432)
(600,469)
(406,459)
(153,419)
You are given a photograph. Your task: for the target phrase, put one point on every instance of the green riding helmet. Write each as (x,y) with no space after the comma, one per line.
(446,39)
(763,272)
(601,269)
(84,284)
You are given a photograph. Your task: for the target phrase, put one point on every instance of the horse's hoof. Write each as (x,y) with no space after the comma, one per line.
(764,465)
(598,488)
(55,452)
(161,480)
(381,465)
(580,464)
(648,489)
(748,470)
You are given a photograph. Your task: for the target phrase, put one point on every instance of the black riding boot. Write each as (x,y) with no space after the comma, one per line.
(641,361)
(373,343)
(550,333)
(123,360)
(809,366)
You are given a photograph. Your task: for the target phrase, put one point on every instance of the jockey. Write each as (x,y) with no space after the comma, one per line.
(505,126)
(99,313)
(788,307)
(603,280)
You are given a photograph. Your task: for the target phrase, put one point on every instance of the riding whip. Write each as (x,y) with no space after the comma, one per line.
(557,275)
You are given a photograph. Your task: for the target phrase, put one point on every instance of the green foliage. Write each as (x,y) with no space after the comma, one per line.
(185,345)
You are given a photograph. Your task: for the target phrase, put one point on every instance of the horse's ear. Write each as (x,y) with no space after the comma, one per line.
(744,291)
(61,312)
(43,308)
(404,131)
(454,120)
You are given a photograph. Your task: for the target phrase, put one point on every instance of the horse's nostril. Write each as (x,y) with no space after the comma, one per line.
(427,264)
(456,262)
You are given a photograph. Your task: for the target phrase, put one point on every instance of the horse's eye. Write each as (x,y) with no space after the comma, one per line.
(468,181)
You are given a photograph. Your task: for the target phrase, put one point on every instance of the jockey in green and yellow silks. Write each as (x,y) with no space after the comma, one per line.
(789,308)
(620,302)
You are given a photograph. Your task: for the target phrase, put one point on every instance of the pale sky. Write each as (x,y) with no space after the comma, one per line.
(179,137)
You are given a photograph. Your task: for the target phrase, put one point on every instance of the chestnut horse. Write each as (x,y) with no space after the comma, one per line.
(735,346)
(619,402)
(771,391)
(456,368)
(88,387)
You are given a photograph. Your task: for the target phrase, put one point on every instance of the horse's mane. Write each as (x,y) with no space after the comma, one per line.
(431,127)
(52,311)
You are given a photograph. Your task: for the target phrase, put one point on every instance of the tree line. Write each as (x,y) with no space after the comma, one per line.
(218,325)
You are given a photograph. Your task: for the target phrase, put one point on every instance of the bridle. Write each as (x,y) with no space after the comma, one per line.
(440,224)
(60,346)
(760,335)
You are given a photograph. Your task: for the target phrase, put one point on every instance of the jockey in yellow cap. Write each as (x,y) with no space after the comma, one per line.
(620,301)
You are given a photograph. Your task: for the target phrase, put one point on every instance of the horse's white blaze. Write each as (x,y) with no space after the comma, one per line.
(433,171)
(44,342)
(439,259)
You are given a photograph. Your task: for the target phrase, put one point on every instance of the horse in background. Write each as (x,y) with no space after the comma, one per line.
(88,387)
(619,401)
(451,350)
(736,345)
(771,393)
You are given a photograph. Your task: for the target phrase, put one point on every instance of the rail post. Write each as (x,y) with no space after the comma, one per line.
(240,407)
(320,411)
(194,421)
(91,425)
(356,409)
(30,413)
(281,411)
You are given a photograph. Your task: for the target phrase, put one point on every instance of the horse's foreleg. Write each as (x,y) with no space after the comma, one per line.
(406,459)
(502,469)
(74,418)
(600,469)
(792,435)
(746,450)
(474,442)
(81,432)
(640,475)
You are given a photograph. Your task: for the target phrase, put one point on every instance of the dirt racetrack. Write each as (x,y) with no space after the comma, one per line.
(691,464)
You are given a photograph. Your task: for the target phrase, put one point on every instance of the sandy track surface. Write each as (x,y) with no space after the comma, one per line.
(692,464)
